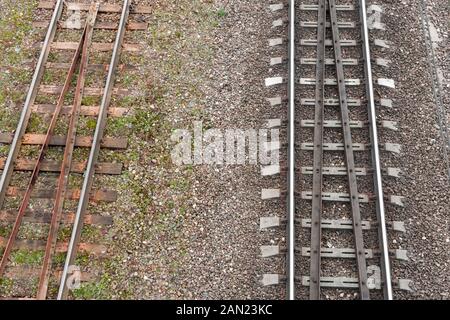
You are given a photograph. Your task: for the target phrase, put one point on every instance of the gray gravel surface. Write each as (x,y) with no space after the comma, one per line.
(225,260)
(426,180)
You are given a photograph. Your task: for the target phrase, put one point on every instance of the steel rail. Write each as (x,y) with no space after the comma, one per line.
(31,96)
(67,159)
(290,257)
(349,157)
(93,156)
(385,260)
(317,203)
(34,176)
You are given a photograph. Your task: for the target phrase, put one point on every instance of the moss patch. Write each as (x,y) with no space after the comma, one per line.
(31,258)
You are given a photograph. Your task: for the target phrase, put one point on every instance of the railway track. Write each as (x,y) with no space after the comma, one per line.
(49,198)
(337,243)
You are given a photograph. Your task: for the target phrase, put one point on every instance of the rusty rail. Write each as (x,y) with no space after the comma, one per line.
(31,96)
(67,159)
(35,174)
(90,171)
(79,62)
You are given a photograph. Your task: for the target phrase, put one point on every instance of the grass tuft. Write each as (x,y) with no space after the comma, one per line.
(222,13)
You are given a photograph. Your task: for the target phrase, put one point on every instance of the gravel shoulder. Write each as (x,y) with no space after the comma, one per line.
(197,236)
(224,237)
(425,185)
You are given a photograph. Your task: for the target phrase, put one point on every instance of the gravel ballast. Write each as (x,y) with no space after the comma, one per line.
(199,237)
(426,184)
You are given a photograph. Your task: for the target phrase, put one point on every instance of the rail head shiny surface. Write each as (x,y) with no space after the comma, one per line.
(376,153)
(291,156)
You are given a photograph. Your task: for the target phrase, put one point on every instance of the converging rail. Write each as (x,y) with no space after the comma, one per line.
(78,69)
(324,57)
